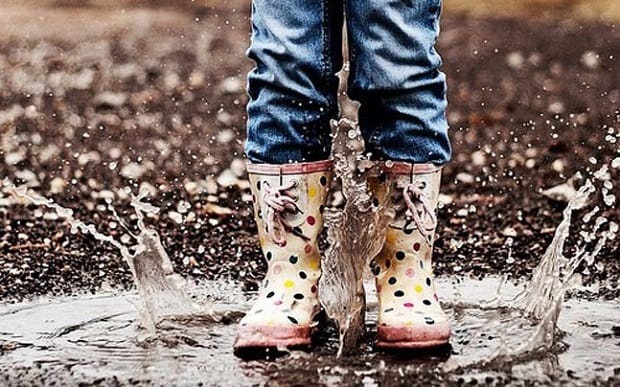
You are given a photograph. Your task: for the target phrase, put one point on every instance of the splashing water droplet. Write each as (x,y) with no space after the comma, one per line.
(160,288)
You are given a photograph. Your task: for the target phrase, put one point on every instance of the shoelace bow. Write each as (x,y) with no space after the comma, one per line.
(280,201)
(418,208)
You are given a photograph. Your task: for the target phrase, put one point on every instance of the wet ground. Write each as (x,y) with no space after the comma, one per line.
(98,339)
(124,98)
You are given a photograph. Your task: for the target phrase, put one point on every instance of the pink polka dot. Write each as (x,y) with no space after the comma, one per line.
(313,289)
(277,269)
(308,249)
(416,246)
(277,302)
(410,272)
(311,220)
(408,304)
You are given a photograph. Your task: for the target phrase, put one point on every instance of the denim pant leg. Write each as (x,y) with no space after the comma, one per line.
(296,47)
(395,76)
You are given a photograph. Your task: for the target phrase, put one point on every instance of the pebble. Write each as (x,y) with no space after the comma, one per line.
(214,209)
(445,199)
(227,178)
(224,118)
(515,60)
(231,85)
(478,158)
(108,99)
(133,171)
(183,206)
(465,177)
(225,136)
(12,158)
(175,216)
(590,60)
(559,165)
(509,232)
(237,166)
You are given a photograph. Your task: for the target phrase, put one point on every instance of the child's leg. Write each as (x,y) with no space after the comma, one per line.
(296,45)
(395,75)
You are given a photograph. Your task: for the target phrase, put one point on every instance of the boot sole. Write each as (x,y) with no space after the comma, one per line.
(413,338)
(272,337)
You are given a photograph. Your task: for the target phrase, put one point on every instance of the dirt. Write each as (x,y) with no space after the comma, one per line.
(108,102)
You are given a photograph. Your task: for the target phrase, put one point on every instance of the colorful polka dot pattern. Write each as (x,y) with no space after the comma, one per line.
(403,268)
(289,295)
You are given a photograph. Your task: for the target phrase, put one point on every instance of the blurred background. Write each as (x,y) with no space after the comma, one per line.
(98,97)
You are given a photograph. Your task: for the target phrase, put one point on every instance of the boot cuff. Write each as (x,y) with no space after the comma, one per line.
(291,169)
(403,168)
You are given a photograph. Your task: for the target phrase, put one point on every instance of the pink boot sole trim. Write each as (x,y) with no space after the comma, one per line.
(268,336)
(413,337)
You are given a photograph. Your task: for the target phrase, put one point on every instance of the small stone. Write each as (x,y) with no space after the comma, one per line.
(133,171)
(515,60)
(210,185)
(214,209)
(224,118)
(464,177)
(225,136)
(183,206)
(463,212)
(12,158)
(556,107)
(227,178)
(109,99)
(237,166)
(192,187)
(196,78)
(445,199)
(105,195)
(231,85)
(559,165)
(509,232)
(478,158)
(590,60)
(175,216)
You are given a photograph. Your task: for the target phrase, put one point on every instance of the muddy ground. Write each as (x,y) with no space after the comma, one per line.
(93,100)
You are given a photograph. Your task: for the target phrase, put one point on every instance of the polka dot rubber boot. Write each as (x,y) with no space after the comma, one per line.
(288,205)
(410,315)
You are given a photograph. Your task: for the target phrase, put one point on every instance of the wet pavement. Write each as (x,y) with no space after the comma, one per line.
(97,339)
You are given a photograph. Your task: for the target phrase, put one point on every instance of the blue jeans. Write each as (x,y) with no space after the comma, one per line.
(296,45)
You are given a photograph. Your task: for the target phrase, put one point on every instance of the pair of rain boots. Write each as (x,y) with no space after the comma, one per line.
(288,207)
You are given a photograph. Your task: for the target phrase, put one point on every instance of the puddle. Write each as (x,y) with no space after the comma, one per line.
(99,338)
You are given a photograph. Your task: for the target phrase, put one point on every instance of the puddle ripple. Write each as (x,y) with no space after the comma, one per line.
(99,339)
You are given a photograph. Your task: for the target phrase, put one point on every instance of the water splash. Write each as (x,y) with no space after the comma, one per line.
(541,300)
(355,234)
(160,288)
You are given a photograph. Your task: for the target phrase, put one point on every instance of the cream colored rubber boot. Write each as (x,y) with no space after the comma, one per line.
(409,312)
(288,206)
